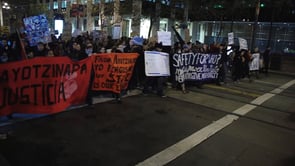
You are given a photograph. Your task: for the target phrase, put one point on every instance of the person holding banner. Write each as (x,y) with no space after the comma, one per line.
(156,82)
(179,49)
(40,50)
(77,53)
(222,65)
(254,64)
(136,46)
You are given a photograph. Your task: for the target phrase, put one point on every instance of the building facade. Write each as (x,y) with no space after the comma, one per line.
(145,17)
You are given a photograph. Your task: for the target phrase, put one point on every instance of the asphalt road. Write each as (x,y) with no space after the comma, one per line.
(231,125)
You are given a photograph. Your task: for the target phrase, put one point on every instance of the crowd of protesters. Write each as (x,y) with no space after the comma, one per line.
(234,64)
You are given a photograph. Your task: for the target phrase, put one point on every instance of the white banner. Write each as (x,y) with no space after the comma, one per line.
(164,37)
(254,64)
(156,63)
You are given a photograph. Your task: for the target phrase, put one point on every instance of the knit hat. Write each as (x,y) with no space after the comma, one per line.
(137,40)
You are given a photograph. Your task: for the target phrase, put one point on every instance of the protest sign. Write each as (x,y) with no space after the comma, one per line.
(156,63)
(43,85)
(37,29)
(231,38)
(254,64)
(243,44)
(112,71)
(164,37)
(117,31)
(196,66)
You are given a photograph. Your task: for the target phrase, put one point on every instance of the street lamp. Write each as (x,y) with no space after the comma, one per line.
(4,5)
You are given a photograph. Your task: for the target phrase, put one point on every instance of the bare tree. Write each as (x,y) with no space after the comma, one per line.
(136,17)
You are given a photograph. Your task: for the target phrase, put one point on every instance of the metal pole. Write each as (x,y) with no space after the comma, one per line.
(1,14)
(255,25)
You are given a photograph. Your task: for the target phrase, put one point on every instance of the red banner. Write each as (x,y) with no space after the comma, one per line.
(112,71)
(43,85)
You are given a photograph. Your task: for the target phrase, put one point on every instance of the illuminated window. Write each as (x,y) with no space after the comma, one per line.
(165,2)
(58,27)
(55,5)
(64,4)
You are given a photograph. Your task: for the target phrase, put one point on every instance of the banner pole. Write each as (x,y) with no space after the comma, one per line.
(23,51)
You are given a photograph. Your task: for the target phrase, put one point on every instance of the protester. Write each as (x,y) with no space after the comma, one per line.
(40,50)
(5,52)
(222,66)
(89,49)
(138,75)
(237,69)
(77,53)
(247,57)
(176,82)
(256,53)
(155,82)
(266,58)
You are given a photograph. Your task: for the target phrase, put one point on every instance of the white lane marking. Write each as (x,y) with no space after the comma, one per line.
(277,91)
(261,99)
(184,145)
(174,151)
(288,84)
(283,87)
(244,109)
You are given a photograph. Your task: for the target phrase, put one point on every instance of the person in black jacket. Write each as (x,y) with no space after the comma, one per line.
(138,75)
(222,65)
(266,58)
(40,50)
(78,53)
(156,82)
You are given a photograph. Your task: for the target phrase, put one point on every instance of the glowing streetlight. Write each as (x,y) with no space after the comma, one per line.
(4,5)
